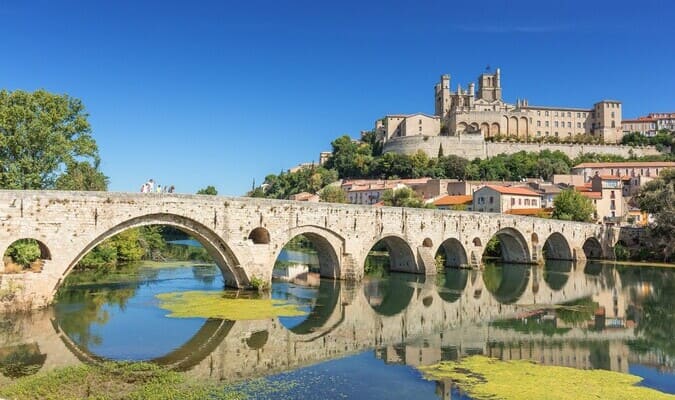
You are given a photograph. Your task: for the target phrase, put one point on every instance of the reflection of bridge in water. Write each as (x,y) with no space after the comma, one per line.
(352,317)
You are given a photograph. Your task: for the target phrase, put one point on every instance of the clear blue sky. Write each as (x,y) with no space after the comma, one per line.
(220,92)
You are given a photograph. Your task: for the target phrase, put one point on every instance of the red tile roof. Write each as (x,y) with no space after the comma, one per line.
(513,190)
(592,195)
(448,200)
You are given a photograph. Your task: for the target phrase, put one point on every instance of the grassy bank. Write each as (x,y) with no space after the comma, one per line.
(112,381)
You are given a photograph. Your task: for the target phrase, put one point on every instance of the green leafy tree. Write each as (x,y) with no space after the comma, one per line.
(210,190)
(82,176)
(350,158)
(333,194)
(658,198)
(571,205)
(403,197)
(41,135)
(23,252)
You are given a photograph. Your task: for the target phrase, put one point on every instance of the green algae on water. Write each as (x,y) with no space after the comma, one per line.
(209,304)
(487,378)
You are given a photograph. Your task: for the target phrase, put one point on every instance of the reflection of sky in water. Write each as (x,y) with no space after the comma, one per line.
(138,329)
(653,378)
(361,376)
(303,296)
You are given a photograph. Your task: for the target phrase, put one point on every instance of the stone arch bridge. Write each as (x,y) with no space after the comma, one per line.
(245,235)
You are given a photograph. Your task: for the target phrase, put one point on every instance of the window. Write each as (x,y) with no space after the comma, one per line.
(534,202)
(420,129)
(569,124)
(612,114)
(556,114)
(520,201)
(578,124)
(612,195)
(613,124)
(527,202)
(538,133)
(569,114)
(555,124)
(492,200)
(612,205)
(547,124)
(538,123)
(539,113)
(578,115)
(546,113)
(556,134)
(513,201)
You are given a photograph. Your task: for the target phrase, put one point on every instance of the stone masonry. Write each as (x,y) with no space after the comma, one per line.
(245,235)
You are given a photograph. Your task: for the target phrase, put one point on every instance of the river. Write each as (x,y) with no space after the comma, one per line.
(361,340)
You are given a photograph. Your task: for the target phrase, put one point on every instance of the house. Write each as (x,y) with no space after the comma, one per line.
(495,198)
(369,191)
(605,191)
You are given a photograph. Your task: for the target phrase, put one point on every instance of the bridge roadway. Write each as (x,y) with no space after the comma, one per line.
(245,235)
(353,317)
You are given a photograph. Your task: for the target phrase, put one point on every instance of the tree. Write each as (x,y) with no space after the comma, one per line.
(403,197)
(571,205)
(82,176)
(658,198)
(333,194)
(41,135)
(210,190)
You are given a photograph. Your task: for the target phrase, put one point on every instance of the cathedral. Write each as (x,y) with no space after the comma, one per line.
(468,111)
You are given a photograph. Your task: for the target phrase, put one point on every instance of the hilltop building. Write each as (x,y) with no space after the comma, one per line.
(650,124)
(482,111)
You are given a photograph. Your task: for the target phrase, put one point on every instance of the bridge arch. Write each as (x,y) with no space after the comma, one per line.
(592,248)
(556,247)
(454,253)
(401,254)
(259,235)
(42,255)
(214,245)
(328,245)
(513,246)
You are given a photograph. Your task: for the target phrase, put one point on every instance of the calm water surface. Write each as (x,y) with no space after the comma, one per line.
(362,340)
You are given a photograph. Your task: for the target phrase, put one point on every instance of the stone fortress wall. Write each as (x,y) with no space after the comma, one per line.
(472,146)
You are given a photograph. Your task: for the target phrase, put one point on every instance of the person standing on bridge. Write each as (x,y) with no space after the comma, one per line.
(151,185)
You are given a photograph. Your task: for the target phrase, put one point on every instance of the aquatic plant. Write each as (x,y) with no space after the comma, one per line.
(209,304)
(487,378)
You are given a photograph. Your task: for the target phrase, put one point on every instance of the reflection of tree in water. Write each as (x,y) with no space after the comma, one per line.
(577,312)
(658,319)
(21,360)
(81,302)
(506,282)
